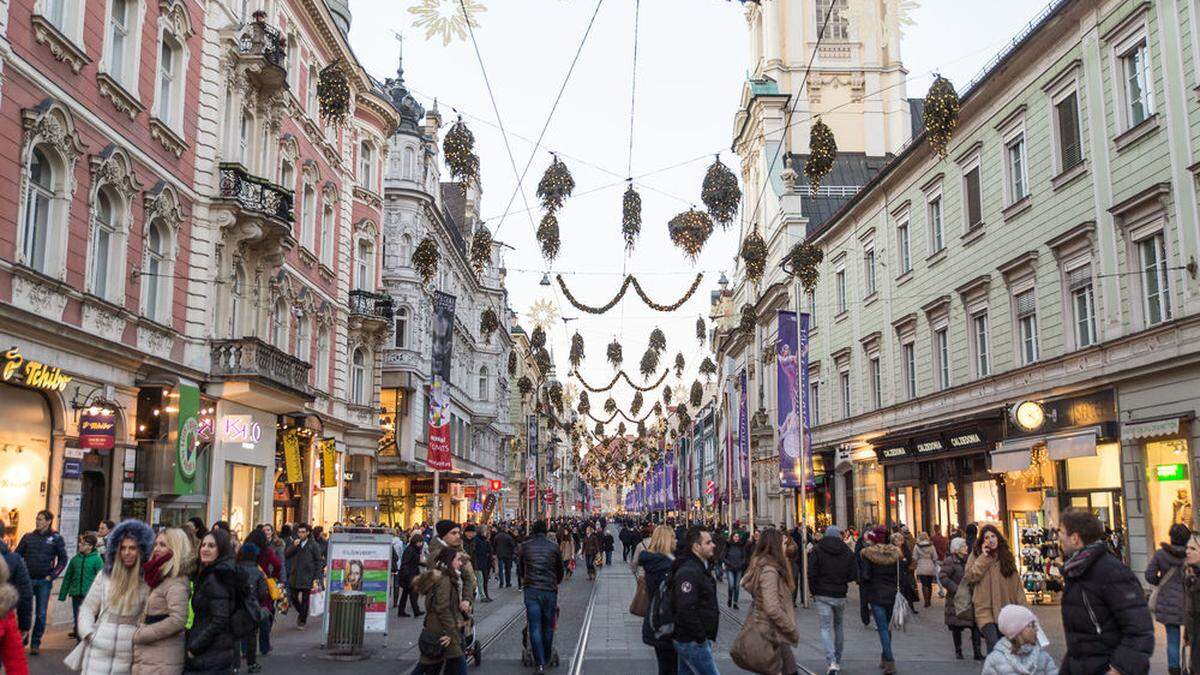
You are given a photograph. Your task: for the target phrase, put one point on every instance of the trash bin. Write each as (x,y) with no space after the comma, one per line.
(347,621)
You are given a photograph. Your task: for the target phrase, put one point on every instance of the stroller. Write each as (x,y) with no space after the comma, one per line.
(527,646)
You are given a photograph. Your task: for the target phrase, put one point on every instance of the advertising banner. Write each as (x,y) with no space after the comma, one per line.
(743,437)
(97,429)
(489,505)
(362,562)
(438,456)
(443,334)
(531,434)
(787,399)
(292,464)
(187,442)
(329,462)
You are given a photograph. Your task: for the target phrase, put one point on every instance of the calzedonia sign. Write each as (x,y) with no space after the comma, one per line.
(920,445)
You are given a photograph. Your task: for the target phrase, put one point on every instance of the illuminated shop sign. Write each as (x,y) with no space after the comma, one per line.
(1166,472)
(240,429)
(97,428)
(34,374)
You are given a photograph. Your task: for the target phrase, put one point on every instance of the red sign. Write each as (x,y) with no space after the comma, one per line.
(97,429)
(549,495)
(532,488)
(438,457)
(496,485)
(710,488)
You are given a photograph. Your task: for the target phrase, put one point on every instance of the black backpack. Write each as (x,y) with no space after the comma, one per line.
(662,609)
(247,613)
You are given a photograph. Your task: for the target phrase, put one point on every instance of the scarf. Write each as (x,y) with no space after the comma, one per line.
(152,570)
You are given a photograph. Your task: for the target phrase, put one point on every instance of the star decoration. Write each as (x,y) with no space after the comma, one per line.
(446,18)
(679,393)
(542,314)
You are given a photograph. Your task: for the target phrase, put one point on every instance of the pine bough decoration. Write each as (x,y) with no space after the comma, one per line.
(459,150)
(425,258)
(754,255)
(635,404)
(481,250)
(658,341)
(585,404)
(333,94)
(701,329)
(720,193)
(488,323)
(679,364)
(708,368)
(610,406)
(542,358)
(649,364)
(576,354)
(822,148)
(697,396)
(690,230)
(615,354)
(941,114)
(537,339)
(525,385)
(749,319)
(556,185)
(631,217)
(547,236)
(512,363)
(805,262)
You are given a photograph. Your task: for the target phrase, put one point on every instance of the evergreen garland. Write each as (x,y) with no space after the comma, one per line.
(555,393)
(754,255)
(459,151)
(822,148)
(481,250)
(679,364)
(720,193)
(690,230)
(576,354)
(629,280)
(631,217)
(615,353)
(556,185)
(940,114)
(425,258)
(488,323)
(805,262)
(547,236)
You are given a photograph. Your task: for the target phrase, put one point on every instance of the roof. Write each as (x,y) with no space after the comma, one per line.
(850,172)
(455,204)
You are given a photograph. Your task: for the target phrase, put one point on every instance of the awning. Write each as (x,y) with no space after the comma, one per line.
(1132,431)
(1079,444)
(1013,453)
(1012,456)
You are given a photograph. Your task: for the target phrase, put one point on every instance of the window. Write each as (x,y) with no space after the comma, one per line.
(937,239)
(311,104)
(365,271)
(941,355)
(979,336)
(36,230)
(402,328)
(358,378)
(279,325)
(119,27)
(300,347)
(328,228)
(483,384)
(155,274)
(869,270)
(876,383)
(1070,145)
(237,292)
(1026,311)
(169,64)
(287,174)
(1135,69)
(1083,305)
(844,381)
(323,348)
(366,164)
(308,219)
(1018,187)
(1156,290)
(838,26)
(973,202)
(56,11)
(903,255)
(410,164)
(841,291)
(245,130)
(908,357)
(103,237)
(814,403)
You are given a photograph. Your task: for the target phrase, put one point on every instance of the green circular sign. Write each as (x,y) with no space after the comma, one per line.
(187,448)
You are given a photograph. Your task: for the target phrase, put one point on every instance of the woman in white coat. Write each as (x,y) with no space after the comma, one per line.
(110,612)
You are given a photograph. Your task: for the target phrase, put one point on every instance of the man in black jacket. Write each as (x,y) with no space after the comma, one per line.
(831,568)
(45,555)
(506,549)
(1105,616)
(696,610)
(540,571)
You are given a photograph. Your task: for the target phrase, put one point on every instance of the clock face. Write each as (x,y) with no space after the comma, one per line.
(1029,415)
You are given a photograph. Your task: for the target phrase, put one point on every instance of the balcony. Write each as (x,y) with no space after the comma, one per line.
(371,305)
(255,373)
(259,213)
(263,57)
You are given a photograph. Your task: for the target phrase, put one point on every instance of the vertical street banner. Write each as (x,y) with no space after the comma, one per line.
(531,434)
(187,441)
(443,334)
(805,412)
(727,494)
(787,400)
(438,455)
(293,465)
(329,462)
(743,436)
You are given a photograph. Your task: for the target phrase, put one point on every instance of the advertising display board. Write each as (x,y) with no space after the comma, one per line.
(361,561)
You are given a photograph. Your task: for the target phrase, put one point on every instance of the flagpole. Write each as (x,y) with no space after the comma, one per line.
(802,508)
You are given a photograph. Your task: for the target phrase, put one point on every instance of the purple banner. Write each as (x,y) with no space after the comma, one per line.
(743,437)
(787,399)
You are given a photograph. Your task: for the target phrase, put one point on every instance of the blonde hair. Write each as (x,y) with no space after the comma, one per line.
(183,554)
(126,590)
(662,540)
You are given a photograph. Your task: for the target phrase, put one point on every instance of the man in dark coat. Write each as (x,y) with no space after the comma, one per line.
(45,555)
(540,571)
(304,563)
(1105,617)
(506,550)
(480,550)
(18,576)
(696,610)
(831,568)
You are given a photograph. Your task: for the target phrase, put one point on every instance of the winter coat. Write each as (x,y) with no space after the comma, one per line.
(45,553)
(304,564)
(696,607)
(270,563)
(410,566)
(1029,660)
(108,636)
(539,564)
(773,615)
(950,575)
(434,549)
(158,647)
(443,617)
(657,567)
(1191,605)
(18,576)
(991,589)
(592,545)
(735,557)
(210,642)
(81,571)
(925,556)
(1168,604)
(12,651)
(257,579)
(505,545)
(1105,618)
(608,542)
(481,553)
(877,579)
(831,568)
(567,547)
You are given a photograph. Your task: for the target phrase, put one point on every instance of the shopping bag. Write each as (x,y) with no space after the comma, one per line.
(74,660)
(316,603)
(964,603)
(641,599)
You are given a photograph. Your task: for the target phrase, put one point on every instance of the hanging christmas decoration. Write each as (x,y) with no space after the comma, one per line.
(542,314)
(585,404)
(708,368)
(555,392)
(630,280)
(690,230)
(697,394)
(525,385)
(445,19)
(749,319)
(622,374)
(635,404)
(333,94)
(459,150)
(822,148)
(541,358)
(547,236)
(940,114)
(537,339)
(701,330)
(649,363)
(685,422)
(599,429)
(621,429)
(679,364)
(576,355)
(720,193)
(754,255)
(512,363)
(657,409)
(610,406)
(666,395)
(658,341)
(556,185)
(631,217)
(488,323)
(614,353)
(481,250)
(805,262)
(425,258)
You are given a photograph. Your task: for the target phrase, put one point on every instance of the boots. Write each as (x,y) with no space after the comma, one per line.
(1174,671)
(958,653)
(889,668)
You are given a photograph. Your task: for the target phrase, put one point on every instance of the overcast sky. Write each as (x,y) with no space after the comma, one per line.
(692,63)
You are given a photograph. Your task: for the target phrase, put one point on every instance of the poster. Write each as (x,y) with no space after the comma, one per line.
(787,399)
(743,437)
(438,457)
(187,441)
(443,334)
(362,562)
(329,462)
(293,466)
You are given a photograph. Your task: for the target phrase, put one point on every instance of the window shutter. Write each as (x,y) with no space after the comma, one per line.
(1026,304)
(1079,277)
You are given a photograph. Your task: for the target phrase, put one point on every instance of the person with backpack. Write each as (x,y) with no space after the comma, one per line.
(831,568)
(252,575)
(109,614)
(1165,575)
(80,574)
(158,639)
(1106,621)
(696,610)
(654,566)
(211,646)
(950,576)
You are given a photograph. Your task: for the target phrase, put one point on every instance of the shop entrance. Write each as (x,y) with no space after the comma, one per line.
(94,504)
(24,468)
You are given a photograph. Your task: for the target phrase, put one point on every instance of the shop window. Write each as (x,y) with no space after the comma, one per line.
(985,501)
(24,467)
(1170,486)
(243,497)
(1098,472)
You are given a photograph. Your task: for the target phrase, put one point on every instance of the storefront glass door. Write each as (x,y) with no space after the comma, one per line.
(1169,482)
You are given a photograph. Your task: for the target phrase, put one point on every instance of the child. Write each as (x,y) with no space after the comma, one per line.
(81,571)
(1018,651)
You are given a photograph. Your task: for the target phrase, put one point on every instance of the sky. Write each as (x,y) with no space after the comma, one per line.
(692,61)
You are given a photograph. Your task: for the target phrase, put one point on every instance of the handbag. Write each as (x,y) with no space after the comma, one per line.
(430,646)
(273,588)
(964,602)
(641,598)
(753,651)
(74,660)
(1152,601)
(316,603)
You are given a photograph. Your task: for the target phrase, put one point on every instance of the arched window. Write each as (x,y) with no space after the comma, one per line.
(279,325)
(410,164)
(301,343)
(406,249)
(103,239)
(156,274)
(484,393)
(287,174)
(323,358)
(311,105)
(358,378)
(364,276)
(328,230)
(36,235)
(402,328)
(308,219)
(237,292)
(366,166)
(245,138)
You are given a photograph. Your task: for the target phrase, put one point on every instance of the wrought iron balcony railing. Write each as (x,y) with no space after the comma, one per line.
(260,39)
(255,194)
(250,357)
(371,304)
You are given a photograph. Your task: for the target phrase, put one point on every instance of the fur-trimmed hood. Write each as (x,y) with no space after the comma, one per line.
(882,554)
(138,530)
(425,583)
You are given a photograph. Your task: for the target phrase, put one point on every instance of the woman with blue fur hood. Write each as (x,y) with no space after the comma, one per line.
(110,612)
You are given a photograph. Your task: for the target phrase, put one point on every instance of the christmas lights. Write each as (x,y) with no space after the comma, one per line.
(689,231)
(547,236)
(459,150)
(754,255)
(822,148)
(333,94)
(720,193)
(805,261)
(425,258)
(556,185)
(940,114)
(629,280)
(481,250)
(621,374)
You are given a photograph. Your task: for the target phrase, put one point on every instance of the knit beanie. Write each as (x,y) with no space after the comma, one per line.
(833,531)
(443,527)
(1013,619)
(957,543)
(879,535)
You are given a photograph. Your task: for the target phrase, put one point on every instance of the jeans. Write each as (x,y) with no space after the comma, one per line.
(668,661)
(299,600)
(264,633)
(505,572)
(1172,644)
(734,579)
(831,612)
(249,648)
(608,557)
(539,613)
(480,584)
(41,599)
(76,601)
(991,634)
(454,666)
(880,613)
(696,658)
